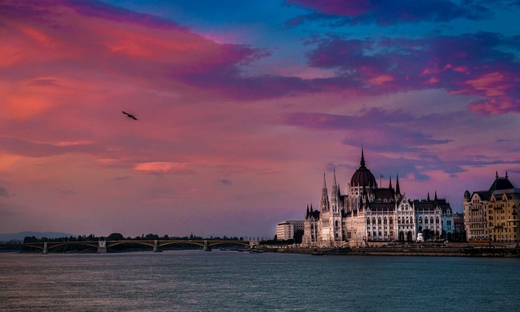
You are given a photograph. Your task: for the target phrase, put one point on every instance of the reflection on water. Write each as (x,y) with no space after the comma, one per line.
(233,281)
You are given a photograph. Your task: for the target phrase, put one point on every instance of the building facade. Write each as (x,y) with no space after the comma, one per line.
(493,214)
(369,213)
(286,229)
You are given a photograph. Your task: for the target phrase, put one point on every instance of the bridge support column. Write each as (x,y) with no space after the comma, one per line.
(206,246)
(45,250)
(102,246)
(156,246)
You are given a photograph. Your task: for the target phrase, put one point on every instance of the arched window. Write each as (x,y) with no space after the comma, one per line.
(431,220)
(425,221)
(378,220)
(368,221)
(384,220)
(437,220)
(398,219)
(420,220)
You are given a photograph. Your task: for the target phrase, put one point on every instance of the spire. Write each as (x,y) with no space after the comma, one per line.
(362,158)
(435,195)
(428,198)
(335,184)
(397,190)
(506,176)
(324,203)
(496,174)
(390,184)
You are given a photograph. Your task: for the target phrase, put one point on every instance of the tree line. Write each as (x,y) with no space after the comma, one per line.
(120,237)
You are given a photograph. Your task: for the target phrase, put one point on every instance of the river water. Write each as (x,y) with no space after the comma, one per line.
(233,281)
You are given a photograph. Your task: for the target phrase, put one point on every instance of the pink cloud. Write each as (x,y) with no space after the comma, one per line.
(381,79)
(163,167)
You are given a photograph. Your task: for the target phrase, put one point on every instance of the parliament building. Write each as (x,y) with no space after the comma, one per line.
(370,214)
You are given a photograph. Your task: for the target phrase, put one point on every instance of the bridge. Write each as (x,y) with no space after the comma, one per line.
(103,245)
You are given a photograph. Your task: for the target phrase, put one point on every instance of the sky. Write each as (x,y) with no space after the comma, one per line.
(242,106)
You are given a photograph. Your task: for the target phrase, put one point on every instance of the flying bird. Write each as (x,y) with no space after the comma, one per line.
(129,115)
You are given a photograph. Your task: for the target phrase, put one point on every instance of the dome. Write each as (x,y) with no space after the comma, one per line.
(363,176)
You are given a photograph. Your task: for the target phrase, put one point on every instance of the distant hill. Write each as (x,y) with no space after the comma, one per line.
(20,236)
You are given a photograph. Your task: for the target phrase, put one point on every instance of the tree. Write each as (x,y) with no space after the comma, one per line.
(115,236)
(298,235)
(427,234)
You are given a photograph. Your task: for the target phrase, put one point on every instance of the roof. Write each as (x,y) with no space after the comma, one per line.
(501,184)
(384,193)
(363,176)
(381,206)
(484,195)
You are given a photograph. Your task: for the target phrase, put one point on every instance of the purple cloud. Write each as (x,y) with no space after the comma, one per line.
(4,192)
(383,130)
(386,13)
(482,65)
(225,182)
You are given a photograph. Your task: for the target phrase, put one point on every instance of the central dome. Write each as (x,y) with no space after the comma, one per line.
(363,176)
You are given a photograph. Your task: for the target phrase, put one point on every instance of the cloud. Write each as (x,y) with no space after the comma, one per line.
(163,168)
(68,192)
(482,65)
(386,13)
(386,131)
(4,192)
(225,182)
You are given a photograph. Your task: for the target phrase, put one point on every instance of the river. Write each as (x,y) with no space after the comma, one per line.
(233,281)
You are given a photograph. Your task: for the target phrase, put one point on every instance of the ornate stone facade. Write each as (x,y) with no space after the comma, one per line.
(369,213)
(493,214)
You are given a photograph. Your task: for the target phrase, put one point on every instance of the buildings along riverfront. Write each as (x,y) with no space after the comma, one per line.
(373,214)
(493,214)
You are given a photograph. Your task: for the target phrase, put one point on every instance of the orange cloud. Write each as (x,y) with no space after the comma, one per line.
(492,84)
(381,79)
(492,106)
(163,167)
(432,80)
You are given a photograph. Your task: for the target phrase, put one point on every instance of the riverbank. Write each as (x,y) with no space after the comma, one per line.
(412,251)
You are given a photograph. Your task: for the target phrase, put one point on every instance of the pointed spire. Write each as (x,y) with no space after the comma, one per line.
(390,183)
(435,195)
(496,174)
(362,158)
(428,198)
(335,184)
(397,189)
(506,176)
(324,181)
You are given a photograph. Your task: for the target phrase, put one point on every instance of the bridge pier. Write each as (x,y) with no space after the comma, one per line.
(206,246)
(102,246)
(45,250)
(156,246)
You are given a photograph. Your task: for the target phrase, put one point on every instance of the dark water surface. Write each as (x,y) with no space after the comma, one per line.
(233,281)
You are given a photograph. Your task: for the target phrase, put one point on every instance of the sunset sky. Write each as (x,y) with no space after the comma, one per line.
(243,105)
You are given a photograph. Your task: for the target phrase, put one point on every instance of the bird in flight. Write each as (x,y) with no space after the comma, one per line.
(129,115)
